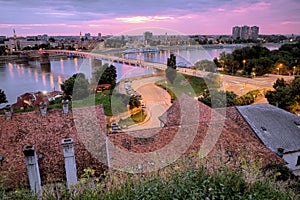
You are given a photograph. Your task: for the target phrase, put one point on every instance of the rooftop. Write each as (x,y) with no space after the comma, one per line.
(212,140)
(46,133)
(275,127)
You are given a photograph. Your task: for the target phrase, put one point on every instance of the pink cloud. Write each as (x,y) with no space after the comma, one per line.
(143,19)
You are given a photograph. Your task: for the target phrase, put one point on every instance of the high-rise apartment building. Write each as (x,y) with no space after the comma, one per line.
(245,32)
(148,37)
(236,32)
(254,32)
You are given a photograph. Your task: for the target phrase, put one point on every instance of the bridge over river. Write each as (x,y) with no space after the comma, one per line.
(239,85)
(109,58)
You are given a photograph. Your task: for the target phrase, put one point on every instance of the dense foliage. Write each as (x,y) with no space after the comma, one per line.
(206,65)
(190,183)
(218,99)
(171,68)
(2,97)
(76,86)
(285,95)
(258,60)
(106,74)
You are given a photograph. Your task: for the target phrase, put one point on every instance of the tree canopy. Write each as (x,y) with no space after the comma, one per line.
(218,99)
(206,65)
(171,72)
(76,86)
(106,74)
(3,98)
(259,60)
(285,95)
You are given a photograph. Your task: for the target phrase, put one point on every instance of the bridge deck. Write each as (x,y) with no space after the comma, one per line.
(110,58)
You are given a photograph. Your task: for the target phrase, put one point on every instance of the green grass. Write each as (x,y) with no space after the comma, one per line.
(190,183)
(134,119)
(191,85)
(112,104)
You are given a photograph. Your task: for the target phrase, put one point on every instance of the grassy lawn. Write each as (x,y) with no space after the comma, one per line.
(112,104)
(183,83)
(134,119)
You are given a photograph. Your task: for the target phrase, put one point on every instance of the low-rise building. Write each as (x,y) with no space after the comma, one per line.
(278,129)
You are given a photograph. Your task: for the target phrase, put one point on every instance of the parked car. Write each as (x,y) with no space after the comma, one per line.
(143,105)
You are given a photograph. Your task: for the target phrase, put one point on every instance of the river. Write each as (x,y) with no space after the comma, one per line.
(16,79)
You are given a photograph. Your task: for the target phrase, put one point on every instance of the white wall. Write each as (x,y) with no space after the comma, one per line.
(291,159)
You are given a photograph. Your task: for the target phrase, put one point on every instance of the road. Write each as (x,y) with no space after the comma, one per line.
(157,101)
(241,85)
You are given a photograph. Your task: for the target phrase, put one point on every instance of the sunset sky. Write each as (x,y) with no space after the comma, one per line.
(69,17)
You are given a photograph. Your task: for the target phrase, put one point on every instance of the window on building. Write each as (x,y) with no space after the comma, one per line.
(298,161)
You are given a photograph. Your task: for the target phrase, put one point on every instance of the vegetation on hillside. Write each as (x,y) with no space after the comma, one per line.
(181,182)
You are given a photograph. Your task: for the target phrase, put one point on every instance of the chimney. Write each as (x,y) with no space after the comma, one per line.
(65,105)
(8,112)
(43,108)
(280,152)
(33,169)
(70,164)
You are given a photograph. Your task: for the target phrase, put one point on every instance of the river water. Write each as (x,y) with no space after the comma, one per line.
(16,79)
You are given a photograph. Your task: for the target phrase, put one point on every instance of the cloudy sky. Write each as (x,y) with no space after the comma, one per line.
(69,17)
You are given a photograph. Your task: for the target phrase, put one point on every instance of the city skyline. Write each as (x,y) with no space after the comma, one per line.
(68,17)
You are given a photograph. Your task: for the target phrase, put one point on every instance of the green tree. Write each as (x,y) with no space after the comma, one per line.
(217,63)
(283,95)
(51,39)
(218,99)
(2,97)
(106,74)
(76,86)
(247,98)
(134,102)
(206,65)
(171,72)
(227,61)
(80,88)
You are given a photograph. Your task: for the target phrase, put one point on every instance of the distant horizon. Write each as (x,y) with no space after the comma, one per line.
(96,34)
(191,17)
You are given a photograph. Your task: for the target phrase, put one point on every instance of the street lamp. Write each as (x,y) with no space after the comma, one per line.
(244,62)
(278,70)
(294,70)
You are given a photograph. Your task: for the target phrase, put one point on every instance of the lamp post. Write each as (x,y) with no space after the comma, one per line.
(244,62)
(278,70)
(294,68)
(280,66)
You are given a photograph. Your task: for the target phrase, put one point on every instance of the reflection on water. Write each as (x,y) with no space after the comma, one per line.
(16,79)
(46,68)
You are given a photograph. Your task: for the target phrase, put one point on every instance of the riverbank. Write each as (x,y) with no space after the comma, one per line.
(270,46)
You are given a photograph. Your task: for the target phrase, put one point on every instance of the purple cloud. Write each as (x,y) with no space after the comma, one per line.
(189,16)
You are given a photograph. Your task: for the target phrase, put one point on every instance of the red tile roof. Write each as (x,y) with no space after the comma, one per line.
(218,137)
(46,133)
(180,139)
